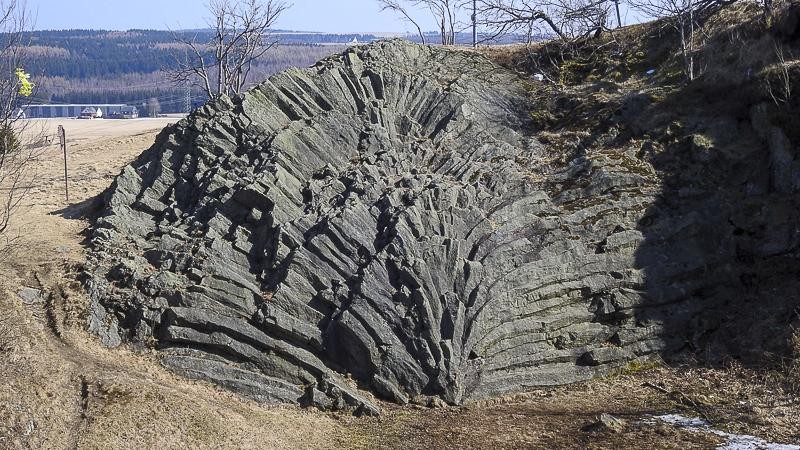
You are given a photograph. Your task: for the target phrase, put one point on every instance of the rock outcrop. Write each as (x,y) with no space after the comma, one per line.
(381,222)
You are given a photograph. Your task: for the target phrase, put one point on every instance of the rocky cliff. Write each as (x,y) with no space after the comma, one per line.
(385,221)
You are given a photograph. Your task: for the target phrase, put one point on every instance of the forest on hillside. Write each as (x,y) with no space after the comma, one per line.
(98,66)
(102,66)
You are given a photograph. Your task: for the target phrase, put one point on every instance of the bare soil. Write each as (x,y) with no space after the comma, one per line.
(61,389)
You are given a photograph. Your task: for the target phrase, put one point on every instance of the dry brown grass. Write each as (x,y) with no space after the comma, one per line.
(736,400)
(733,46)
(67,391)
(792,368)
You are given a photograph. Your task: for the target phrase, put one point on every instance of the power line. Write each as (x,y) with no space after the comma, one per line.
(187,106)
(474,23)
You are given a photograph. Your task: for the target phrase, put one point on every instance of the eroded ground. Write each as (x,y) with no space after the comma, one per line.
(61,389)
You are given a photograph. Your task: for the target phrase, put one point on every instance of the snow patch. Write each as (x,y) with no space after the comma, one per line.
(735,441)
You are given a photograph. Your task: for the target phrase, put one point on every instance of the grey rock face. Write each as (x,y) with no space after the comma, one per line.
(381,217)
(30,296)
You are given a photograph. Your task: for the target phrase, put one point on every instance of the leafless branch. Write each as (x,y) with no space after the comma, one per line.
(566,19)
(241,35)
(684,16)
(395,6)
(445,12)
(16,156)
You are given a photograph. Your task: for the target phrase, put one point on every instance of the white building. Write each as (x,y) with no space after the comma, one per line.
(91,112)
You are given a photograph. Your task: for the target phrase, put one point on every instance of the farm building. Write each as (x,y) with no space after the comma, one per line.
(74,110)
(127,112)
(90,112)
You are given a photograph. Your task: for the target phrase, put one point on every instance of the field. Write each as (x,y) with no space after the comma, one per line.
(96,151)
(62,389)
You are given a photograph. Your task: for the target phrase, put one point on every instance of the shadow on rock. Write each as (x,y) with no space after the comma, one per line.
(719,255)
(86,209)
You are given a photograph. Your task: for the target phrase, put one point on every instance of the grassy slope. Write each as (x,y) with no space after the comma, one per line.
(627,91)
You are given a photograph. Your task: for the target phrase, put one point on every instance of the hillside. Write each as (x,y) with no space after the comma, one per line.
(717,157)
(101,66)
(569,245)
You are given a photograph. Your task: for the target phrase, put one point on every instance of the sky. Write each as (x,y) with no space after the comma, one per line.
(304,15)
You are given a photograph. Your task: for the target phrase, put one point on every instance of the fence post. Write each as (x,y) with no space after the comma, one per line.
(62,139)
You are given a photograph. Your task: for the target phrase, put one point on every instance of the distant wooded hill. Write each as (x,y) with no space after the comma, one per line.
(98,66)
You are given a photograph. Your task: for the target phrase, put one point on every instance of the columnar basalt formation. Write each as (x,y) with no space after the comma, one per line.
(381,222)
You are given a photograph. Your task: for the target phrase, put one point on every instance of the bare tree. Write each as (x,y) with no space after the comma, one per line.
(15,156)
(445,12)
(575,20)
(684,16)
(566,19)
(396,7)
(680,15)
(153,107)
(240,37)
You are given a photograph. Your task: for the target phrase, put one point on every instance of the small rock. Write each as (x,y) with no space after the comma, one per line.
(606,422)
(30,296)
(254,216)
(317,399)
(436,402)
(428,401)
(365,410)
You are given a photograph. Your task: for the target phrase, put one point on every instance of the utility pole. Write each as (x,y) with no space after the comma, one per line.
(187,106)
(475,23)
(619,17)
(62,139)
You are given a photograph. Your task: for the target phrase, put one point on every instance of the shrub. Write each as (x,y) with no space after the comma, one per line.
(9,141)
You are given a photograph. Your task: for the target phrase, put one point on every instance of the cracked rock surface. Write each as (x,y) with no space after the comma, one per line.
(379,222)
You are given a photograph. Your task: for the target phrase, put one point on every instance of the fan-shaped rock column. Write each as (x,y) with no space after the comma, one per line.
(378,216)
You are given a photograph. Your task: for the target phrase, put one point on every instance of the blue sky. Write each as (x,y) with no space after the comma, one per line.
(306,15)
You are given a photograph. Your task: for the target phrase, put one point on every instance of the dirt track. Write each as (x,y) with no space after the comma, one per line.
(61,389)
